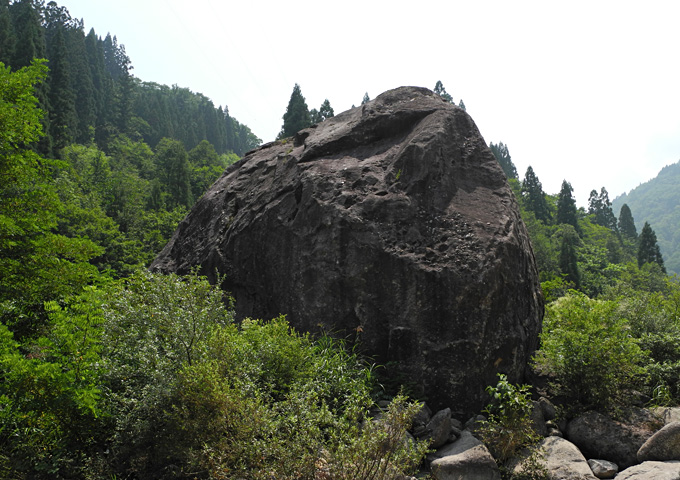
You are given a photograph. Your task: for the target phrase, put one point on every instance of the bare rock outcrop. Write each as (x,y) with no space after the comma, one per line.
(392,223)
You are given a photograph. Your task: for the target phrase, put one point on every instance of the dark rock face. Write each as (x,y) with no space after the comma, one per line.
(391,222)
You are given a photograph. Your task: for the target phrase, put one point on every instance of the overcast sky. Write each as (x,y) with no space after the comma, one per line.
(587,91)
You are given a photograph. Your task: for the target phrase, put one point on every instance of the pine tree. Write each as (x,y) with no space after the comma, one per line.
(175,172)
(441,91)
(63,119)
(30,44)
(566,207)
(7,36)
(600,206)
(297,114)
(568,259)
(326,111)
(502,154)
(534,197)
(648,248)
(626,222)
(81,81)
(461,104)
(366,99)
(30,39)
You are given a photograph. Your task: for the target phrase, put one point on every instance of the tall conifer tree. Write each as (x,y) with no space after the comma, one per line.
(63,120)
(7,36)
(626,222)
(534,197)
(297,114)
(503,157)
(568,259)
(648,248)
(566,207)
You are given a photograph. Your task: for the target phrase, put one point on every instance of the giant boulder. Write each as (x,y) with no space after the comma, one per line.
(391,223)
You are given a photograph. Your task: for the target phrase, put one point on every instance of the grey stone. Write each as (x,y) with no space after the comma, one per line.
(549,411)
(391,222)
(667,414)
(603,468)
(467,459)
(652,471)
(538,420)
(439,428)
(599,436)
(564,461)
(663,445)
(560,458)
(423,416)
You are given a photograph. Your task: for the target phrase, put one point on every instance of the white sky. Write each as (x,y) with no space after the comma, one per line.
(587,91)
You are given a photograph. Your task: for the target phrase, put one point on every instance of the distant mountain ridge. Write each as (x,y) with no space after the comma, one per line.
(658,202)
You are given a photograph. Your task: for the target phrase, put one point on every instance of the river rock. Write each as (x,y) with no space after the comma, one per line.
(599,436)
(467,458)
(663,445)
(391,223)
(651,471)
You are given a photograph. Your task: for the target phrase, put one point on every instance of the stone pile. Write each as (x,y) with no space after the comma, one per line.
(589,447)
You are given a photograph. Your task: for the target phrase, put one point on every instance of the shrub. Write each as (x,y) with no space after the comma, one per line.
(154,326)
(589,351)
(509,429)
(508,426)
(266,402)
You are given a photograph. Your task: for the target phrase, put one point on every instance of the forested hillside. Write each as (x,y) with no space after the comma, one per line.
(131,156)
(658,202)
(90,94)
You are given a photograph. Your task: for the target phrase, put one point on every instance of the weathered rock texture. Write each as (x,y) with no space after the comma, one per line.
(391,222)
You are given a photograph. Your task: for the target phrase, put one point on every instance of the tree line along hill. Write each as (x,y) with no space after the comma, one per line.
(658,202)
(587,249)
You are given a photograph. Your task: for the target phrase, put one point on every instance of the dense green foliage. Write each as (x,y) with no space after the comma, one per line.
(150,378)
(587,348)
(611,324)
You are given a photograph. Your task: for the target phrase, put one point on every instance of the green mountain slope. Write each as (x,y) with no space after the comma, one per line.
(658,202)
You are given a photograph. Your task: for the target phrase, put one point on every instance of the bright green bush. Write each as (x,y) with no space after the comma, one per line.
(588,349)
(49,394)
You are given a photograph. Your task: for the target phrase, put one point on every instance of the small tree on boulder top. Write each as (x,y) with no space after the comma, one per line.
(297,114)
(441,91)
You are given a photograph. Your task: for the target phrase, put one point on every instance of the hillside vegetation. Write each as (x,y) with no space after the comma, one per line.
(658,202)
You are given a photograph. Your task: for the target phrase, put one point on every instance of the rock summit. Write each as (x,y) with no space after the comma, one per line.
(391,224)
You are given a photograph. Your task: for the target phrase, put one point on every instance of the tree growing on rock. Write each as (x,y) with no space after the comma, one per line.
(441,91)
(324,112)
(297,114)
